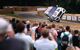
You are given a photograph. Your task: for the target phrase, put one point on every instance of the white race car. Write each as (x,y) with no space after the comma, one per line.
(55,13)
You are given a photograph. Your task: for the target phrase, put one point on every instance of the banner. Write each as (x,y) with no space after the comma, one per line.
(79,19)
(64,18)
(74,18)
(69,18)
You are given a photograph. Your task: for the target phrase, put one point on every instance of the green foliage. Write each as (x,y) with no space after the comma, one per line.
(71,6)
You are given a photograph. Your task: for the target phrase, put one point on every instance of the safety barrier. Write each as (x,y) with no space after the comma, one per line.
(71,18)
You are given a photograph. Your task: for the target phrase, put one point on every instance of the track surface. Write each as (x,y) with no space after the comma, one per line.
(33,16)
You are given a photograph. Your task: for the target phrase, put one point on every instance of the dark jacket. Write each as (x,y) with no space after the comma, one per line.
(12,44)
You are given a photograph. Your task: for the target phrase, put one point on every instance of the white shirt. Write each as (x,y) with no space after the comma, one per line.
(44,44)
(70,35)
(10,29)
(26,38)
(25,30)
(54,32)
(34,28)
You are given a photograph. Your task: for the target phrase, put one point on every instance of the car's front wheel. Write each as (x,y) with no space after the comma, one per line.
(57,20)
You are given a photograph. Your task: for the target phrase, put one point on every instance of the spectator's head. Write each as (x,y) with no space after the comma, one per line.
(35,24)
(61,28)
(13,19)
(10,21)
(24,21)
(20,27)
(3,28)
(40,24)
(70,48)
(43,26)
(67,28)
(48,27)
(45,23)
(53,25)
(76,32)
(17,21)
(27,22)
(45,33)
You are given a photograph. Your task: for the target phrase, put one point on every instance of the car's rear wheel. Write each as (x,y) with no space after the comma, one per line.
(50,19)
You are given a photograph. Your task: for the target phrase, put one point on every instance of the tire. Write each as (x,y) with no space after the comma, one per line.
(50,20)
(57,20)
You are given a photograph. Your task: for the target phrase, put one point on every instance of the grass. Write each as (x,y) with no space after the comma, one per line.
(56,49)
(11,15)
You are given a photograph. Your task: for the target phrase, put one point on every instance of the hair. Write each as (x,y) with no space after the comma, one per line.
(17,21)
(45,23)
(76,31)
(48,27)
(70,48)
(53,25)
(61,27)
(45,33)
(35,24)
(68,28)
(13,19)
(40,24)
(20,27)
(43,26)
(24,21)
(10,21)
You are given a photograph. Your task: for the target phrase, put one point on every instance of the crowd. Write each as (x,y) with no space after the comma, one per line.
(24,35)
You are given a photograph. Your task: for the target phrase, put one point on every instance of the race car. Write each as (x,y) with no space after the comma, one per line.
(55,13)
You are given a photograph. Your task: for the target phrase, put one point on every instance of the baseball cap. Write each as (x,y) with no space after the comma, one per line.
(3,25)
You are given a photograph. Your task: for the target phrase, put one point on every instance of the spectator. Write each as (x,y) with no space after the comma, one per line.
(54,32)
(22,36)
(75,38)
(44,43)
(14,24)
(33,29)
(28,26)
(24,21)
(35,25)
(45,23)
(66,38)
(10,31)
(60,30)
(70,48)
(17,21)
(11,43)
(38,31)
(25,30)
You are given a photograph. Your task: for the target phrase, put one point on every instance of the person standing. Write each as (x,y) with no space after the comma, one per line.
(75,38)
(66,38)
(8,43)
(44,43)
(22,36)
